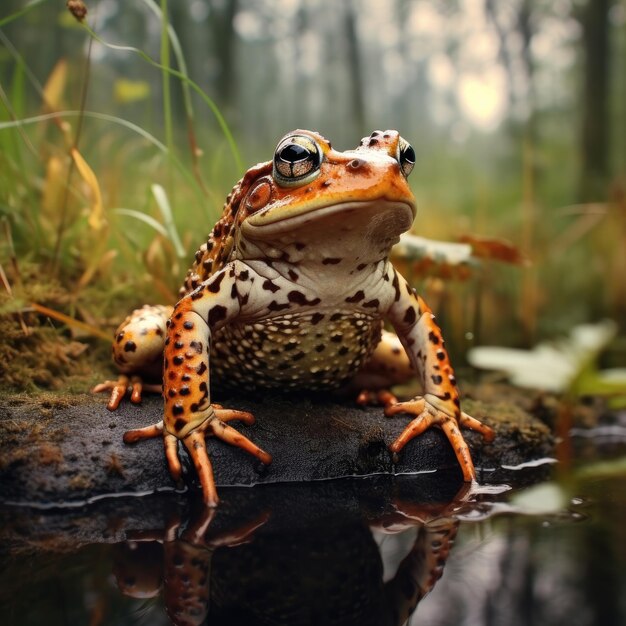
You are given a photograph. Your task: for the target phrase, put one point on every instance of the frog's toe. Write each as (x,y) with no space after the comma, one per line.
(427,415)
(472,423)
(123,385)
(196,446)
(382,397)
(228,415)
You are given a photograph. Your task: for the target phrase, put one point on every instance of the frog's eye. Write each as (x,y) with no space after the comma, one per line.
(297,161)
(406,156)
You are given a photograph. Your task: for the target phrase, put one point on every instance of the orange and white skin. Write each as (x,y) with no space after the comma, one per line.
(291,291)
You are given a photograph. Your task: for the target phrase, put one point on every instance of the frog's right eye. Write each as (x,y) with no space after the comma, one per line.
(297,161)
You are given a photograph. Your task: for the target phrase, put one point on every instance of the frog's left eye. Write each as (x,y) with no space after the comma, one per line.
(406,156)
(297,161)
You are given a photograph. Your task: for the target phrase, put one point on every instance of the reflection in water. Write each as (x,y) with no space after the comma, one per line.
(372,567)
(340,552)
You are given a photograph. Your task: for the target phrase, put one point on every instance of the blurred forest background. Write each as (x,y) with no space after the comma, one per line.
(516,110)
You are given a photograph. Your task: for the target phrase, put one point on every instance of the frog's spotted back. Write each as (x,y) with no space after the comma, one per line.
(216,251)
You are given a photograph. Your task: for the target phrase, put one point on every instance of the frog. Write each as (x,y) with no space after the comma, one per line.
(292,291)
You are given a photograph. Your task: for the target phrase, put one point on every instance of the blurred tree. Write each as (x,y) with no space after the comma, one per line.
(594,19)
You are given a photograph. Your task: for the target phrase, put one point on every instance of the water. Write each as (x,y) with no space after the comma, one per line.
(380,551)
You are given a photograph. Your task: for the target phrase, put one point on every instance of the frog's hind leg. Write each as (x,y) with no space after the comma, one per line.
(138,354)
(389,365)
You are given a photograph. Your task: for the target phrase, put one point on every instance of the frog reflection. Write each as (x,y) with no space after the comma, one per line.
(308,573)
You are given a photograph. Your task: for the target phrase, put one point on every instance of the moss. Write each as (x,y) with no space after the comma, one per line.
(39,353)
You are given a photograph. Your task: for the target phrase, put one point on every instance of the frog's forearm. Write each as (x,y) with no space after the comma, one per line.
(423,341)
(187,347)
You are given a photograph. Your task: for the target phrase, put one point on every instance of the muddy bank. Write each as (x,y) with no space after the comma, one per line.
(71,449)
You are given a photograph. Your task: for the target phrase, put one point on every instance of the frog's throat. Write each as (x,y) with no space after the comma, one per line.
(269,224)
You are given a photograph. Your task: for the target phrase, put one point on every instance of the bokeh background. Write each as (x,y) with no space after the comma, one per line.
(516,110)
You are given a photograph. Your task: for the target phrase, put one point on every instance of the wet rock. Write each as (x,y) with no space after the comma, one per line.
(71,450)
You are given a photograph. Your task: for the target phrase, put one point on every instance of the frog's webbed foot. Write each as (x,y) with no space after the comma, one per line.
(437,413)
(216,425)
(125,385)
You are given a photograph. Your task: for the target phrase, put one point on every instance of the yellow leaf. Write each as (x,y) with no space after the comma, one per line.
(131,90)
(55,86)
(54,185)
(96,217)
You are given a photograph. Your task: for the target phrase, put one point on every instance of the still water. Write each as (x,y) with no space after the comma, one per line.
(378,551)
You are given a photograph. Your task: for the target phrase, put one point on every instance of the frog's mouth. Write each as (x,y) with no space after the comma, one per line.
(379,217)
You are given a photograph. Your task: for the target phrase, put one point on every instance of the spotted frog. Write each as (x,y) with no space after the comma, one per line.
(290,292)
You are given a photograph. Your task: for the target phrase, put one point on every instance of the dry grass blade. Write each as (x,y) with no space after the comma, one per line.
(70,321)
(96,216)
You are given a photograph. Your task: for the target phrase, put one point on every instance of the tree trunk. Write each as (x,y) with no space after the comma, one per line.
(595,96)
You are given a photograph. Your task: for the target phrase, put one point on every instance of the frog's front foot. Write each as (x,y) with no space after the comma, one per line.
(215,424)
(431,411)
(125,385)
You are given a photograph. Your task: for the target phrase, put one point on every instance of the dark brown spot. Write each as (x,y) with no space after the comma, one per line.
(178,409)
(179,424)
(359,295)
(188,325)
(331,261)
(171,392)
(396,285)
(372,303)
(214,284)
(172,375)
(178,360)
(335,316)
(410,316)
(270,286)
(274,306)
(320,347)
(293,275)
(336,337)
(185,391)
(216,314)
(130,346)
(433,337)
(243,275)
(343,350)
(437,379)
(197,346)
(299,246)
(201,368)
(316,318)
(297,297)
(441,355)
(233,291)
(179,344)
(297,356)
(361,266)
